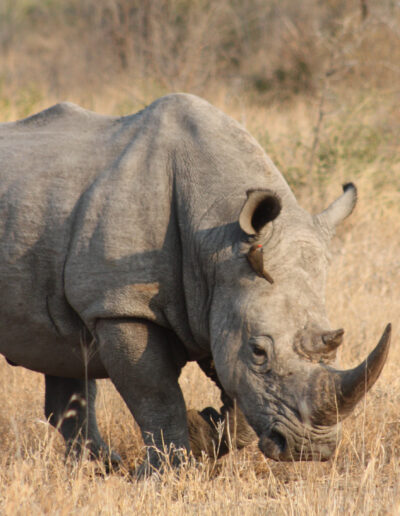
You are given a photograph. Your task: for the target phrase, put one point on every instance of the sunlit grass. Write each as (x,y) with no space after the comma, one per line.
(363,294)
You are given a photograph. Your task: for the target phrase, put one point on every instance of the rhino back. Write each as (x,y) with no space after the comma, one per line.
(46,163)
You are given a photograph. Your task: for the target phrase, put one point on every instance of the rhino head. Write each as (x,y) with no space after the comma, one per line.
(273,348)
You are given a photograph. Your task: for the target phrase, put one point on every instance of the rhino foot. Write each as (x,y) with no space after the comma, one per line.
(95,452)
(70,408)
(237,432)
(111,460)
(158,463)
(205,435)
(215,434)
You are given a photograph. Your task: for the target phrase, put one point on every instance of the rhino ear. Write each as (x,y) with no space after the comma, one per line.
(260,208)
(339,209)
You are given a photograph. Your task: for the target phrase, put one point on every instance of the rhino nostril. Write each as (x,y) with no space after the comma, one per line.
(273,445)
(279,440)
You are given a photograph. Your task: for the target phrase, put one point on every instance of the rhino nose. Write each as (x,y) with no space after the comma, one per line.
(273,445)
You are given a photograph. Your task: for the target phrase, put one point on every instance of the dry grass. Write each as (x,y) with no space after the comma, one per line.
(356,143)
(259,48)
(343,124)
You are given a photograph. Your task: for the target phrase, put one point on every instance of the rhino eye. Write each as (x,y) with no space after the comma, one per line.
(260,350)
(260,356)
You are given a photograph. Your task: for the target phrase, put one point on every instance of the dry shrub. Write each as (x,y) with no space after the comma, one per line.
(356,143)
(253,47)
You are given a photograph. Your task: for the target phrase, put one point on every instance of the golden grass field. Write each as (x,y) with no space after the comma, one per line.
(363,295)
(340,131)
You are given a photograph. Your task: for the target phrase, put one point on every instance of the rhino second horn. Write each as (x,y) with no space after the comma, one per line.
(332,339)
(338,392)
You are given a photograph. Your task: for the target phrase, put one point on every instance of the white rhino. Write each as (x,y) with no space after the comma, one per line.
(132,245)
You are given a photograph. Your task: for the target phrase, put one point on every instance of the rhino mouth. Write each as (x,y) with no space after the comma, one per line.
(280,445)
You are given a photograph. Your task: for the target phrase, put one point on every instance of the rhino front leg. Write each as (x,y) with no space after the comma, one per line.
(141,362)
(70,407)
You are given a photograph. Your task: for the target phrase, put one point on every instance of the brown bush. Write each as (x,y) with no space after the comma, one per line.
(250,46)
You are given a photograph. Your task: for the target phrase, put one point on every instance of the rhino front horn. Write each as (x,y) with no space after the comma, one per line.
(342,390)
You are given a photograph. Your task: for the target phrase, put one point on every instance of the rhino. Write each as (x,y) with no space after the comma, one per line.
(132,245)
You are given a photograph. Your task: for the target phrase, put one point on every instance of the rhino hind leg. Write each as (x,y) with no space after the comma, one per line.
(70,407)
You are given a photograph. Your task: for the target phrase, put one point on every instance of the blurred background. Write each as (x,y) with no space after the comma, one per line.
(327,72)
(258,50)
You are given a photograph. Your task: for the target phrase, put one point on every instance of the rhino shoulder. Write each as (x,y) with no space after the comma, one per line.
(184,100)
(183,106)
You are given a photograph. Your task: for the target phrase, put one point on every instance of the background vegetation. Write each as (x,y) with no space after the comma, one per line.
(317,83)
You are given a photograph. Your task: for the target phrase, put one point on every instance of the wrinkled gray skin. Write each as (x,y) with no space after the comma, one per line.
(120,242)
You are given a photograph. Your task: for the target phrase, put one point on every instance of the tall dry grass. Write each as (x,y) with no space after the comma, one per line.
(332,119)
(363,294)
(262,49)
